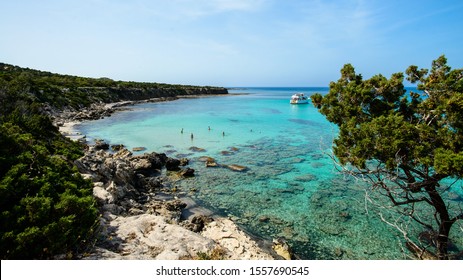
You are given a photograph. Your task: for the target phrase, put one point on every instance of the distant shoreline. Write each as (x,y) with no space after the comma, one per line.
(66,120)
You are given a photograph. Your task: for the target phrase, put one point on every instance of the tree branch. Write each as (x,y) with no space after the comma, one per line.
(459,217)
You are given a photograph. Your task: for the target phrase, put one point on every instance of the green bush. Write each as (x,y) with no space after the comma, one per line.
(46,207)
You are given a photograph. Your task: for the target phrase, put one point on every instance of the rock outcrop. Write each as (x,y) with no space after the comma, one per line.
(136,223)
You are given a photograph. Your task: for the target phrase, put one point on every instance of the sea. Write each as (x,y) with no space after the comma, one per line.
(291,187)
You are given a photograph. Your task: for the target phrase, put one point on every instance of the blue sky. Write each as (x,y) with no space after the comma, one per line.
(229,42)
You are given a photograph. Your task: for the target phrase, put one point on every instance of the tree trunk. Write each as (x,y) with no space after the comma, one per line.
(442,240)
(445,222)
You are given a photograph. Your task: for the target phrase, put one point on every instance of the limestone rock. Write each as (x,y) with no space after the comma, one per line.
(184,161)
(175,205)
(102,196)
(149,236)
(117,147)
(116,191)
(141,165)
(281,247)
(123,153)
(188,172)
(101,145)
(172,164)
(237,244)
(198,223)
(136,225)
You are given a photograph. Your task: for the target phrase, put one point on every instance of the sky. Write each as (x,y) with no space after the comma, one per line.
(229,42)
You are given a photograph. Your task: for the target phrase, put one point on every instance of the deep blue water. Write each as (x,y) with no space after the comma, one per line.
(291,188)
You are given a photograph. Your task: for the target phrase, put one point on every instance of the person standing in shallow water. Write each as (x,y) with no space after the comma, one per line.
(191,136)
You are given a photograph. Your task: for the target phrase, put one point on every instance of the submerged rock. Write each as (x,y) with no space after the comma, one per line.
(206,159)
(237,168)
(264,219)
(455,196)
(138,149)
(211,163)
(306,178)
(188,172)
(197,149)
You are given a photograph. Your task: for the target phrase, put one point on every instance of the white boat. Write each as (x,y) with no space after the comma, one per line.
(299,98)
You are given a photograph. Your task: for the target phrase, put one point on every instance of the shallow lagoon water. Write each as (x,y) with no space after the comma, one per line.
(290,189)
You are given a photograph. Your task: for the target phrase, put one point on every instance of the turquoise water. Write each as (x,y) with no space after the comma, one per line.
(290,189)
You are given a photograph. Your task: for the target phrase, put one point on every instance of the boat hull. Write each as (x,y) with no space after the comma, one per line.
(299,101)
(299,98)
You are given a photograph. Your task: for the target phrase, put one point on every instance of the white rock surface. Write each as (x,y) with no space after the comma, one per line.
(239,245)
(149,236)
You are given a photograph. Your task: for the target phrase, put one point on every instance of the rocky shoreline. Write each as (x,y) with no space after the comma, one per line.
(62,117)
(142,216)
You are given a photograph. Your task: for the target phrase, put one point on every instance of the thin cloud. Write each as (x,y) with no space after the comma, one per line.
(235,5)
(416,16)
(346,21)
(193,10)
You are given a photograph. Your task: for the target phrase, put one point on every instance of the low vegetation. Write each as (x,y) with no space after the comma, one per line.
(47,208)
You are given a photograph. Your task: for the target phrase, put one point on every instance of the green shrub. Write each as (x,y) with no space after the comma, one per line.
(46,207)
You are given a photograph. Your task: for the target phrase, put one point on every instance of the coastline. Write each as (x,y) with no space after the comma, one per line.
(67,119)
(68,129)
(162,224)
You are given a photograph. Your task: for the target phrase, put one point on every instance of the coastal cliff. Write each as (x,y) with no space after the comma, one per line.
(66,91)
(71,98)
(112,99)
(130,91)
